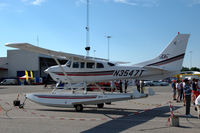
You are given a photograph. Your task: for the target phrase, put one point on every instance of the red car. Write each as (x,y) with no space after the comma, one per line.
(103,85)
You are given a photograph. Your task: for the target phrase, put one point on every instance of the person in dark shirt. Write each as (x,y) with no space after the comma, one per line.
(181,91)
(194,91)
(187,92)
(125,86)
(173,85)
(120,86)
(137,82)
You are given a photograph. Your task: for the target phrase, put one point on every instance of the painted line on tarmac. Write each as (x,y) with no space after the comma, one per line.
(97,119)
(60,118)
(146,104)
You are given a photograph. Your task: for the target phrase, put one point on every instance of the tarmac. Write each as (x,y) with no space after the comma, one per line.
(149,114)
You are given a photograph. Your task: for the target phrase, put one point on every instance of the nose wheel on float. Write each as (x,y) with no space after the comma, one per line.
(78,107)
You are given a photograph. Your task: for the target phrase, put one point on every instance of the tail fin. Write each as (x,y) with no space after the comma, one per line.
(171,59)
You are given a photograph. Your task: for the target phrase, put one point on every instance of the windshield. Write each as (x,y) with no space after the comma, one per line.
(68,64)
(111,64)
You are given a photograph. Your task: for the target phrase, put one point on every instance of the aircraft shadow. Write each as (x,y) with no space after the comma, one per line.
(126,122)
(94,110)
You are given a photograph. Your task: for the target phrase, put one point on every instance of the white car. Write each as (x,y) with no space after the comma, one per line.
(148,83)
(9,82)
(160,83)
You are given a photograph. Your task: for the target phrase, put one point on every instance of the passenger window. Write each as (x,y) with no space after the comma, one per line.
(90,65)
(76,65)
(100,65)
(82,64)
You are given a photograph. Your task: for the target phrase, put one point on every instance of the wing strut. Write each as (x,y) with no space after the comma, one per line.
(67,79)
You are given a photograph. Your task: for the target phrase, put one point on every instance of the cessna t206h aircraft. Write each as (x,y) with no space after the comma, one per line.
(82,70)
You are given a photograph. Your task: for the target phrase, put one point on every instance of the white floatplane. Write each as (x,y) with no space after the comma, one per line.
(82,70)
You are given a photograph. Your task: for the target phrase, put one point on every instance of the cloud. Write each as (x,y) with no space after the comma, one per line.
(38,2)
(194,2)
(3,5)
(144,3)
(33,2)
(79,2)
(128,2)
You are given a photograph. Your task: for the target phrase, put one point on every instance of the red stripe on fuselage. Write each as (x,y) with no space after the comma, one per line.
(53,97)
(100,73)
(60,74)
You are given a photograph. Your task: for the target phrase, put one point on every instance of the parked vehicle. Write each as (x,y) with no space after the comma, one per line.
(148,83)
(160,83)
(9,82)
(103,85)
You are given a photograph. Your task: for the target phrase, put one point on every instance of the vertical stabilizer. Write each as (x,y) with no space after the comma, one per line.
(171,58)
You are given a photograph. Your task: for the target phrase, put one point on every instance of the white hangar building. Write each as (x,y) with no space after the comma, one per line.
(17,61)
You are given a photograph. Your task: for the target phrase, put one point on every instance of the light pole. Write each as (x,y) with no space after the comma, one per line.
(87,48)
(108,38)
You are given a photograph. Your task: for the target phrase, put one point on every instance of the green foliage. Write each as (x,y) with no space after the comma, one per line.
(185,69)
(195,69)
(188,69)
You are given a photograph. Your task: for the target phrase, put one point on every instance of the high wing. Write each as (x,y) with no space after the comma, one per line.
(58,54)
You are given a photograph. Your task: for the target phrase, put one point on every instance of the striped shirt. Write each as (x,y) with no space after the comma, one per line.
(187,90)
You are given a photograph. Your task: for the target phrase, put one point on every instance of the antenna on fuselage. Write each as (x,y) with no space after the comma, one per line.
(87,48)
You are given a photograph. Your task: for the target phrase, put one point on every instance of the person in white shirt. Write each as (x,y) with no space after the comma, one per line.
(197,104)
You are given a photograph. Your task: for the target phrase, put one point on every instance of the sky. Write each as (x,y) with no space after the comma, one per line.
(139,29)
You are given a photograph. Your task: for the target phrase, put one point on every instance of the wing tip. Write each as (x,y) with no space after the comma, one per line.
(15,44)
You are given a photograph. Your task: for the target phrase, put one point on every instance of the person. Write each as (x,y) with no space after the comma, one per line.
(137,82)
(141,86)
(197,104)
(112,86)
(178,88)
(173,85)
(198,87)
(194,90)
(120,86)
(125,86)
(187,93)
(46,80)
(181,90)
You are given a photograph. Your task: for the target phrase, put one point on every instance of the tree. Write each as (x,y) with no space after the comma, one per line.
(185,69)
(188,69)
(195,69)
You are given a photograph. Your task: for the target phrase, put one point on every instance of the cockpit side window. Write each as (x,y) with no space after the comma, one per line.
(111,64)
(100,65)
(82,64)
(68,64)
(90,65)
(75,64)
